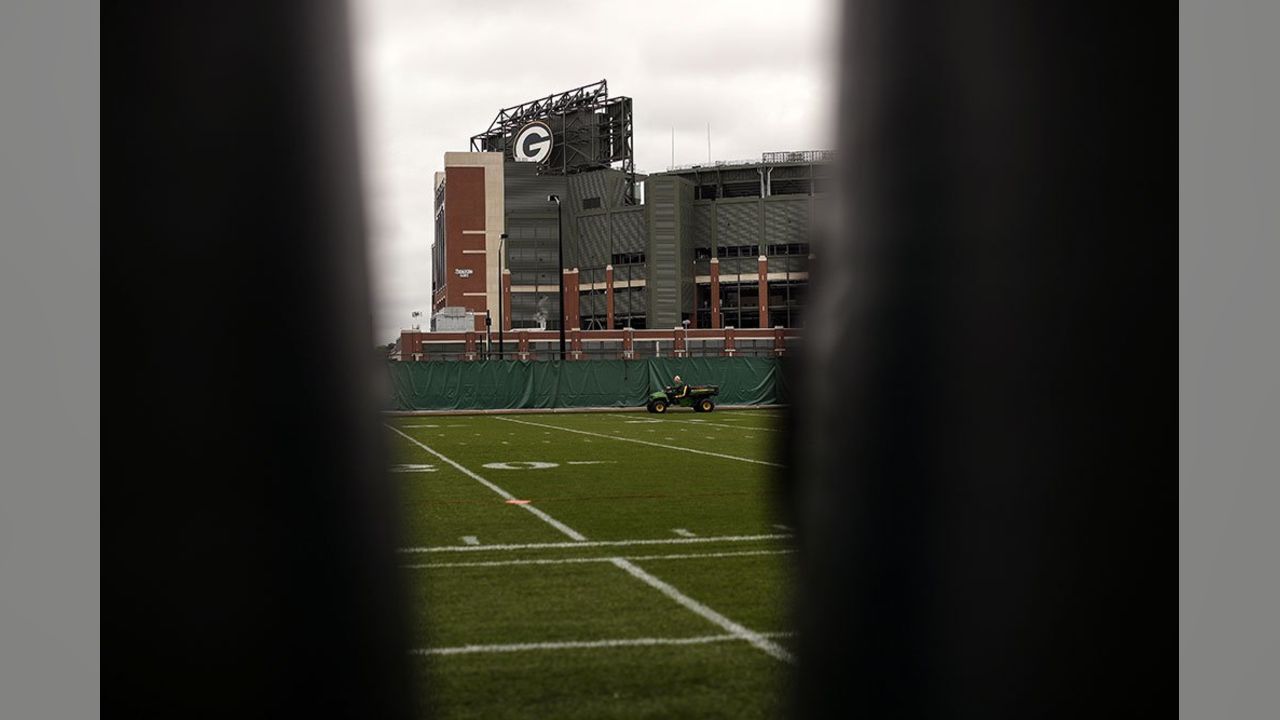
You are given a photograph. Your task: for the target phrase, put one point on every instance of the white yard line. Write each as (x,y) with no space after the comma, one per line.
(698,421)
(705,612)
(585,644)
(733,628)
(506,495)
(596,543)
(643,442)
(571,561)
(750,418)
(731,427)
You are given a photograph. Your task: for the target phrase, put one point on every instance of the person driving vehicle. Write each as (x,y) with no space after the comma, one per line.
(681,390)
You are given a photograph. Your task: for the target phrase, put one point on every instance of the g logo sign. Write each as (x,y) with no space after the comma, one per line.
(533,142)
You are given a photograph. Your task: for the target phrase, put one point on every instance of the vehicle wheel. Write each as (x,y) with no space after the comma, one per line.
(659,406)
(705,405)
(649,406)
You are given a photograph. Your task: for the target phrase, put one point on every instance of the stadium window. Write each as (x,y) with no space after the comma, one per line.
(702,253)
(591,203)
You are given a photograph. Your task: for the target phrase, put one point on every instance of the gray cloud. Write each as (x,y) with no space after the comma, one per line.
(432,74)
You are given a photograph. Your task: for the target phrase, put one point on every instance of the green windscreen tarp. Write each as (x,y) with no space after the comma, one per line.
(511,384)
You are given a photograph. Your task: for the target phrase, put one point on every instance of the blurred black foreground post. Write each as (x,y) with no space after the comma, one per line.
(983,447)
(250,567)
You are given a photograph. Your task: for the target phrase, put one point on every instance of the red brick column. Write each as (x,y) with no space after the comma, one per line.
(572,301)
(628,343)
(608,296)
(763,269)
(523,345)
(506,300)
(471,344)
(779,341)
(715,293)
(410,343)
(728,341)
(678,343)
(575,344)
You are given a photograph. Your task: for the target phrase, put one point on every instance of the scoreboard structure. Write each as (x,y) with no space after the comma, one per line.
(566,133)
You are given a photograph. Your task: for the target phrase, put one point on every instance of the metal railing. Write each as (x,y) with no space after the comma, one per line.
(765,159)
(798,156)
(716,164)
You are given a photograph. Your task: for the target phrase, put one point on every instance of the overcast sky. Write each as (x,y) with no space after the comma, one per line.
(432,74)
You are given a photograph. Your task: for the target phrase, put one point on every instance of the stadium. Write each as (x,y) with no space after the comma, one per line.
(570,555)
(708,260)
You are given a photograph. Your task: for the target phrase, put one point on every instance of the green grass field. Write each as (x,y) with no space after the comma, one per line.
(596,565)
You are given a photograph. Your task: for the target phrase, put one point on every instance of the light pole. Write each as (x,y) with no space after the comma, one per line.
(502,296)
(560,261)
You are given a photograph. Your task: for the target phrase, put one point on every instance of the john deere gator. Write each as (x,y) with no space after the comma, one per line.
(699,397)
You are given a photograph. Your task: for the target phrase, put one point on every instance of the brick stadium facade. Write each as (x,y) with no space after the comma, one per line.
(717,252)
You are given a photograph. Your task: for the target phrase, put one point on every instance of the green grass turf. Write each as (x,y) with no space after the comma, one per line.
(482,595)
(722,680)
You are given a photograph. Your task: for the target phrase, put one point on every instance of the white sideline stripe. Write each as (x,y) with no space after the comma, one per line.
(569,561)
(592,462)
(584,644)
(470,539)
(707,613)
(732,427)
(541,515)
(643,442)
(682,532)
(598,543)
(700,422)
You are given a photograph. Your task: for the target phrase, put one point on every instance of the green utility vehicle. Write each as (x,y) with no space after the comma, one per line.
(698,398)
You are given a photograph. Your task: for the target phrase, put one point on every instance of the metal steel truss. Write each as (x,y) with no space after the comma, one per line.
(590,130)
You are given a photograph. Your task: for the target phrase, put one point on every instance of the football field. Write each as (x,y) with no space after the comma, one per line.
(596,565)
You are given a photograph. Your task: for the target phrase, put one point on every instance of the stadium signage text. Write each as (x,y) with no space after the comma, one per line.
(533,143)
(463,272)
